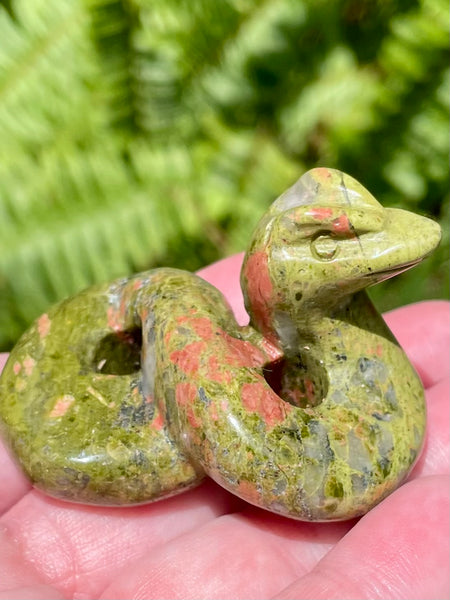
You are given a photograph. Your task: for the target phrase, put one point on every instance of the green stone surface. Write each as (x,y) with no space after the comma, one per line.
(133,391)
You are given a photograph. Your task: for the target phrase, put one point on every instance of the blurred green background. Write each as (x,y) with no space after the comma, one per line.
(141,133)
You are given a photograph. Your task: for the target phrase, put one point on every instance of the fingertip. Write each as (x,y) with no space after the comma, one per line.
(423,330)
(3,359)
(225,276)
(400,549)
(14,483)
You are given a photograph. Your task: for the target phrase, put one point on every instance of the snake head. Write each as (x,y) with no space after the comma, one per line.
(324,239)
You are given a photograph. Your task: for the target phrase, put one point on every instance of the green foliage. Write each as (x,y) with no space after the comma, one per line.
(136,133)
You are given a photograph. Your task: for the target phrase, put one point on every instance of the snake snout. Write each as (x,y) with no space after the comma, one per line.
(407,239)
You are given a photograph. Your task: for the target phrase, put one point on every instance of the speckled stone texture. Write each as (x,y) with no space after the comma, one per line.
(133,391)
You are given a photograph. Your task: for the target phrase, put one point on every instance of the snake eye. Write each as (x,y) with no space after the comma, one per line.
(324,247)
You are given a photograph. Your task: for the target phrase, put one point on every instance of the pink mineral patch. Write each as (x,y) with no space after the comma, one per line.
(137,284)
(44,324)
(114,320)
(320,212)
(249,491)
(242,353)
(185,393)
(342,224)
(61,406)
(309,389)
(260,290)
(322,173)
(188,359)
(158,422)
(28,365)
(192,418)
(212,409)
(272,351)
(258,397)
(203,327)
(216,370)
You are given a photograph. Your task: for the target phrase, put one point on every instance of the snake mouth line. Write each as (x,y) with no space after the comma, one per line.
(391,271)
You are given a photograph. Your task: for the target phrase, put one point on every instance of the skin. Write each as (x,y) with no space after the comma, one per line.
(209,544)
(340,431)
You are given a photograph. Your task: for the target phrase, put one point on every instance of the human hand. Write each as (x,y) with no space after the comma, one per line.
(206,543)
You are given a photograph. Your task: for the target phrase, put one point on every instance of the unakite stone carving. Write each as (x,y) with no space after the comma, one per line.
(133,391)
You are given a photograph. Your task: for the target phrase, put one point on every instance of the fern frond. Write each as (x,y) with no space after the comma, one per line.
(43,58)
(107,226)
(113,25)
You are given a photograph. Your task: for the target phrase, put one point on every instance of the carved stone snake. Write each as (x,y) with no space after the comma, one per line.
(134,390)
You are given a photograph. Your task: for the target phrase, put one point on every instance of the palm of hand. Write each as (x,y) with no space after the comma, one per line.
(208,544)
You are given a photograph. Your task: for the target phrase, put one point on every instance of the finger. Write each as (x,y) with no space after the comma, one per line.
(435,458)
(399,550)
(18,580)
(14,483)
(224,275)
(243,555)
(423,330)
(31,592)
(80,549)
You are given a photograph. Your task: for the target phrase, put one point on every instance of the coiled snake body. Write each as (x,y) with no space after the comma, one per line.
(312,411)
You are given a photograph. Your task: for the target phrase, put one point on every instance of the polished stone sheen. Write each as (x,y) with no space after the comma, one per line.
(135,390)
